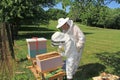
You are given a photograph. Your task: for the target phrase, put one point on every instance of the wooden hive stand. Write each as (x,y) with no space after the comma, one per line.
(44,76)
(58,75)
(33,69)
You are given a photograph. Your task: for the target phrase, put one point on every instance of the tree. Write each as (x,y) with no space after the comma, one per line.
(17,12)
(113,19)
(56,13)
(13,13)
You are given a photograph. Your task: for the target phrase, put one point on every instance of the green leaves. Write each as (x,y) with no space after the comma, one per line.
(20,10)
(65,3)
(52,13)
(93,12)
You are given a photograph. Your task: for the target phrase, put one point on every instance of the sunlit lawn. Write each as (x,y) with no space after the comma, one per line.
(99,44)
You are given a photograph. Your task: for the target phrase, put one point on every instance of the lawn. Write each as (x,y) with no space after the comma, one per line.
(101,52)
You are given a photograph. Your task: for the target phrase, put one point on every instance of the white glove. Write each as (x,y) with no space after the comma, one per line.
(60,46)
(79,46)
(61,50)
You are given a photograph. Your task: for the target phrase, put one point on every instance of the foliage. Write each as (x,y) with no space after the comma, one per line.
(23,10)
(94,13)
(17,12)
(74,11)
(113,18)
(55,14)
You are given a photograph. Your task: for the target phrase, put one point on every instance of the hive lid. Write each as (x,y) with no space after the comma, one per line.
(34,39)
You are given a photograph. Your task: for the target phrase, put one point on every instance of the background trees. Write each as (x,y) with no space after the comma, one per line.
(55,14)
(94,13)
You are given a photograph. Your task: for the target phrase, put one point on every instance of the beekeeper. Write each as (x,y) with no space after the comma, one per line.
(73,45)
(65,42)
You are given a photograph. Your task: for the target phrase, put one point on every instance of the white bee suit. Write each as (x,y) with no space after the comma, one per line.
(70,52)
(79,39)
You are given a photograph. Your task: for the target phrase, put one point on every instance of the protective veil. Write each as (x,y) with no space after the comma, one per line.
(71,54)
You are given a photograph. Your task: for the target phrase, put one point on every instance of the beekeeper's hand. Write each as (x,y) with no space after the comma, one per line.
(61,50)
(79,46)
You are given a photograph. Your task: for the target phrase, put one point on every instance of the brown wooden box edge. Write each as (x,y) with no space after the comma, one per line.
(50,63)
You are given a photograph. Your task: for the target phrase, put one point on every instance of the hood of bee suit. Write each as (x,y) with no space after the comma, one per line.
(70,23)
(61,22)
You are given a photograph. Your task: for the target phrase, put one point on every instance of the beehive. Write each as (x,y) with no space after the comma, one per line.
(36,46)
(49,61)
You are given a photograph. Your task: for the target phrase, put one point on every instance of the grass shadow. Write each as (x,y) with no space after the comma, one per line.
(87,33)
(88,71)
(46,35)
(34,29)
(22,60)
(112,60)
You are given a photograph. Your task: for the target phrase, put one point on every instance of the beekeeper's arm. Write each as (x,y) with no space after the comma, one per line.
(67,48)
(61,49)
(81,39)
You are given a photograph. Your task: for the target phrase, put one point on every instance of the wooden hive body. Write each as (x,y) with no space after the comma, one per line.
(36,46)
(49,61)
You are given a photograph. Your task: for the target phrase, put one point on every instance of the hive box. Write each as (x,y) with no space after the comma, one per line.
(49,61)
(36,46)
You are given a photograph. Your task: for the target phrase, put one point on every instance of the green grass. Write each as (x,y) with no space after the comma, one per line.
(101,52)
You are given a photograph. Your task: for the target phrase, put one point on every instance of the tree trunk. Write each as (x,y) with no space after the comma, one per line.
(6,61)
(0,43)
(10,40)
(15,30)
(12,33)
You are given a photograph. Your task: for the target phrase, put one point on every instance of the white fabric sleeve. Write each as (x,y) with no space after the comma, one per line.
(68,48)
(81,39)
